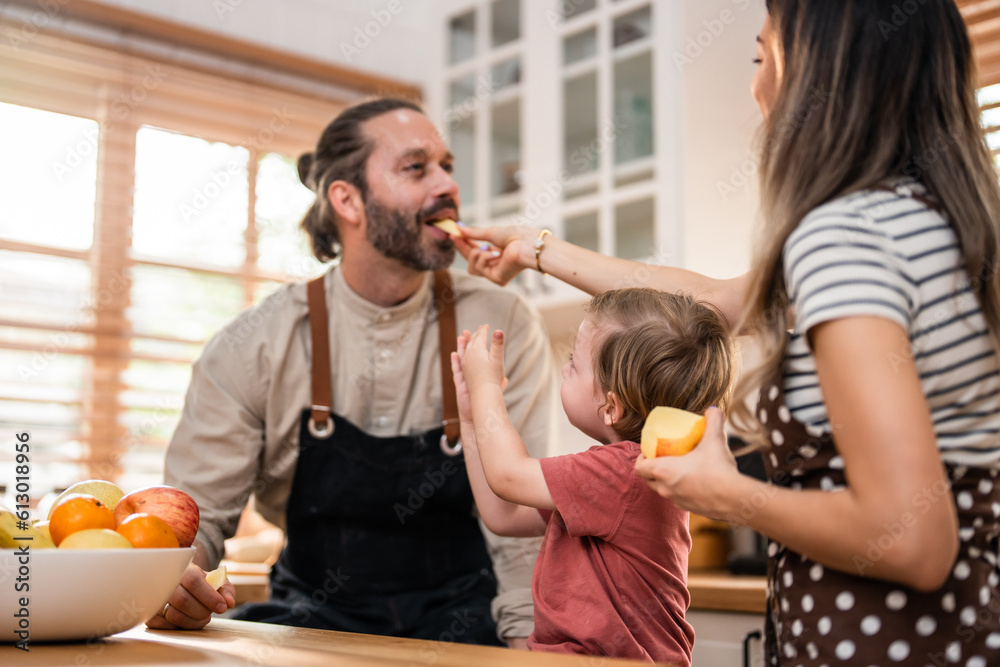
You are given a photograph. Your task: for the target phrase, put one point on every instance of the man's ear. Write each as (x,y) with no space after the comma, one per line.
(346,202)
(613,410)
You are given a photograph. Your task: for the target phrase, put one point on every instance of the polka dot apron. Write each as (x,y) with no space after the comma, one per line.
(818,616)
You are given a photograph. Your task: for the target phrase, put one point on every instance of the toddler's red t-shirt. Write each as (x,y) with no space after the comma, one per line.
(611,576)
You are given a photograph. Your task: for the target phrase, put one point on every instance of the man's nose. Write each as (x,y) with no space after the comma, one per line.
(444,184)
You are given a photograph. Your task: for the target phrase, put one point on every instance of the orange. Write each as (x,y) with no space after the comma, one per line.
(79,511)
(146,531)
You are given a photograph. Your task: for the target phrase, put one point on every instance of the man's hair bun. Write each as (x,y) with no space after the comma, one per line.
(305,164)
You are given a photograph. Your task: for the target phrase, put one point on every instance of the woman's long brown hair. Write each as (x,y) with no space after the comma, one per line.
(867,93)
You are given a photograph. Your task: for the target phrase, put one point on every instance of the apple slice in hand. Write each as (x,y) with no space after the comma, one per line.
(671,432)
(216,577)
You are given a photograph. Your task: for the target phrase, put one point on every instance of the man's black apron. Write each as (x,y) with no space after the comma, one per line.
(381,533)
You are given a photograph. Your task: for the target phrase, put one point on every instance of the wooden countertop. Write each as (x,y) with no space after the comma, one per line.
(228,642)
(721,591)
(710,590)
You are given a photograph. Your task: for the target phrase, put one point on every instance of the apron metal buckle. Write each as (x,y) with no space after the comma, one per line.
(321,433)
(448,448)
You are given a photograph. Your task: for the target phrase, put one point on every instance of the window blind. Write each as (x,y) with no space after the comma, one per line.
(983,19)
(150,194)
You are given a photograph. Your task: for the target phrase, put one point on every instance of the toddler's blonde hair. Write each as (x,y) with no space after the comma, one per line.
(655,348)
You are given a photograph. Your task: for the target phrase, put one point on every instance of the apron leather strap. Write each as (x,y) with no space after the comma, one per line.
(320,423)
(444,300)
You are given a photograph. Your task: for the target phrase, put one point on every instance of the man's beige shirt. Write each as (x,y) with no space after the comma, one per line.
(239,429)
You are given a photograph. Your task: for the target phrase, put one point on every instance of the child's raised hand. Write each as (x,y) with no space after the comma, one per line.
(697,481)
(461,390)
(483,365)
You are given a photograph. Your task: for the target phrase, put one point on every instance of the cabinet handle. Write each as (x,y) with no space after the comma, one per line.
(747,638)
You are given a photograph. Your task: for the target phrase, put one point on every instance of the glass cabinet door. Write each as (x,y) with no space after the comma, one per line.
(462,38)
(505,148)
(505,74)
(580,124)
(632,27)
(581,230)
(580,46)
(634,229)
(484,112)
(461,127)
(575,8)
(633,101)
(505,21)
(600,145)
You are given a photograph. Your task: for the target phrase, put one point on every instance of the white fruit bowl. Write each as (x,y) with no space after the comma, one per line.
(86,594)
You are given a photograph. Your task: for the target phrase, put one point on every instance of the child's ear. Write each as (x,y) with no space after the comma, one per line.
(613,410)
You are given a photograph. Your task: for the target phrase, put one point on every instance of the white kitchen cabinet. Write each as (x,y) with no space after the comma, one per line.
(719,638)
(551,109)
(625,126)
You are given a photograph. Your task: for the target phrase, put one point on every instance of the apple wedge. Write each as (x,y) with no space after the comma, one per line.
(216,577)
(671,432)
(448,226)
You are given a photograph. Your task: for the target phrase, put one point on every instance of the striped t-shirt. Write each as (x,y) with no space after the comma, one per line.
(887,254)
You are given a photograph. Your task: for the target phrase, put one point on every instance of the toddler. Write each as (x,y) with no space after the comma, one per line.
(611,576)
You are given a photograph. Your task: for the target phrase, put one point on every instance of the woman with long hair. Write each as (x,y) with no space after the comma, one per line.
(874,290)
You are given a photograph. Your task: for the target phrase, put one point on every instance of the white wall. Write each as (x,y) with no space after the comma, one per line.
(322,29)
(720,123)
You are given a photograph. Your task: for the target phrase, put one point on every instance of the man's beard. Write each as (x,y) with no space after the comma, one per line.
(400,237)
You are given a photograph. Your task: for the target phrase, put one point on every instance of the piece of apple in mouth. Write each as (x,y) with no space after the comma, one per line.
(447,225)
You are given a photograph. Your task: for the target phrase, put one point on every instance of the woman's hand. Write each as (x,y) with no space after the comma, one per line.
(498,253)
(701,480)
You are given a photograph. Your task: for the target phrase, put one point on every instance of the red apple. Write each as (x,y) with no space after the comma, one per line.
(177,508)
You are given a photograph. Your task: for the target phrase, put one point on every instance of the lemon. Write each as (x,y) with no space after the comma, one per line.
(95,538)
